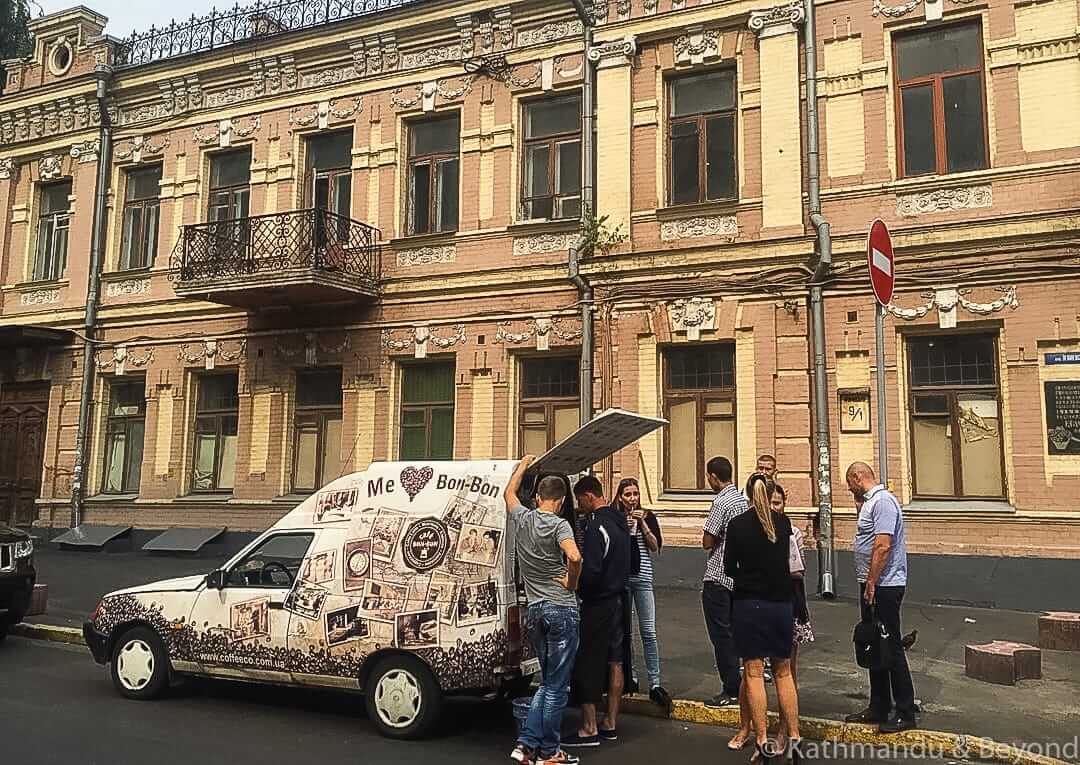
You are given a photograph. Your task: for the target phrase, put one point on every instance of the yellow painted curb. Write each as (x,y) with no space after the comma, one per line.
(938,743)
(48,632)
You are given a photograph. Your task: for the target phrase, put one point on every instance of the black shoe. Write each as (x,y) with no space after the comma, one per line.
(661,698)
(608,735)
(577,741)
(866,717)
(897,724)
(722,700)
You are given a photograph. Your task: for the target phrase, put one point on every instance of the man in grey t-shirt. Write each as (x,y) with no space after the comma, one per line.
(549,563)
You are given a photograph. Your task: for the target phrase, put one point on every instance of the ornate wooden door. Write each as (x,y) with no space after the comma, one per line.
(23,413)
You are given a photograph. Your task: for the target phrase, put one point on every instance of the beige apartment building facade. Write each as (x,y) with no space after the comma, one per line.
(333,241)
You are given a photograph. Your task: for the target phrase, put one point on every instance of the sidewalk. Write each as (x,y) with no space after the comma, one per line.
(831,685)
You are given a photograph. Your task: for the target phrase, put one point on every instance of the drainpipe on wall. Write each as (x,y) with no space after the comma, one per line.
(588,194)
(826,585)
(93,293)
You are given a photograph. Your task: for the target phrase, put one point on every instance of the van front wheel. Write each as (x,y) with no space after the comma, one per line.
(403,698)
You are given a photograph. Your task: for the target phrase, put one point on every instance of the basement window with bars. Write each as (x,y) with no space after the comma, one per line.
(550,407)
(54,222)
(434,147)
(699,402)
(217,408)
(124,430)
(317,446)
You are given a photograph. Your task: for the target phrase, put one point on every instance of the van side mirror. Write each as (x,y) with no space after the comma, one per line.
(215,580)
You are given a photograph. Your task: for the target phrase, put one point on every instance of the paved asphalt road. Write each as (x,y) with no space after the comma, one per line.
(57,706)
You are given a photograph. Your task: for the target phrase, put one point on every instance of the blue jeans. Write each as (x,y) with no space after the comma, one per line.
(641,590)
(553,632)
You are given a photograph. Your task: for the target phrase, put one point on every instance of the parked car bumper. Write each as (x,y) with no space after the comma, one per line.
(96,641)
(15,592)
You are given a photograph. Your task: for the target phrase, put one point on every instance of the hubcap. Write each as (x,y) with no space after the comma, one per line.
(397,698)
(135,665)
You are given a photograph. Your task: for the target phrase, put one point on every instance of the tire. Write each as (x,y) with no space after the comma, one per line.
(140,665)
(403,698)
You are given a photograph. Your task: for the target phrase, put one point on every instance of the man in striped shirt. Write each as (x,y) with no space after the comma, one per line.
(716,588)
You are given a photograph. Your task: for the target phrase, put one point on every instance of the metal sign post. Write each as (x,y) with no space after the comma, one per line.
(879,258)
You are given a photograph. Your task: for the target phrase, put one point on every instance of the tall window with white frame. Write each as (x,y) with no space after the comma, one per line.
(427,411)
(54,220)
(956,441)
(551,181)
(699,404)
(317,446)
(550,407)
(941,106)
(142,189)
(124,429)
(434,160)
(217,408)
(701,138)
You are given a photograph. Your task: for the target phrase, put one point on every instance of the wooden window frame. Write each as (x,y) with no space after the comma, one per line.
(701,119)
(432,159)
(936,82)
(547,404)
(951,392)
(129,249)
(50,259)
(306,416)
(231,193)
(124,422)
(218,417)
(702,397)
(552,142)
(427,407)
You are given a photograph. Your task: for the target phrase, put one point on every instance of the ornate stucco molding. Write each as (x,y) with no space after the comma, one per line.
(778,20)
(945,200)
(697,46)
(692,316)
(699,227)
(306,116)
(227,130)
(549,33)
(50,167)
(417,338)
(209,352)
(86,152)
(542,328)
(614,52)
(946,300)
(424,93)
(119,358)
(544,243)
(128,288)
(64,115)
(136,147)
(424,256)
(312,348)
(39,297)
(8,168)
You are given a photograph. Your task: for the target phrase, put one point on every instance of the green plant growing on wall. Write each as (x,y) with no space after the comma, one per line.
(598,237)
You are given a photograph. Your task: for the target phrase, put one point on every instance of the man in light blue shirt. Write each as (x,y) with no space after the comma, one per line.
(881,569)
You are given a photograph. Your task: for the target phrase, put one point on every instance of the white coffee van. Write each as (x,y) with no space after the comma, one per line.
(397,581)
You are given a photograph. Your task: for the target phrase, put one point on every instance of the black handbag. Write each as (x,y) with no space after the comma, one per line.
(872,647)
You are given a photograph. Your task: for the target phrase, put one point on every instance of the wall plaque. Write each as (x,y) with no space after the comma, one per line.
(1063,417)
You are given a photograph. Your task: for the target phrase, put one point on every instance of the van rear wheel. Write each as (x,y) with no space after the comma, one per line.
(140,666)
(403,698)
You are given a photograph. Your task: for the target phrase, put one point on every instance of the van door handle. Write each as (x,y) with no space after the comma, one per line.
(277,605)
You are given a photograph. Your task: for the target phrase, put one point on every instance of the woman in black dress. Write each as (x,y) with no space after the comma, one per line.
(756,558)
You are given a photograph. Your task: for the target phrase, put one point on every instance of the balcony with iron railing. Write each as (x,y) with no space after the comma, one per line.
(290,258)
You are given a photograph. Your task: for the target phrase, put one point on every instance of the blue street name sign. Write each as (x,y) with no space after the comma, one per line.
(1062,358)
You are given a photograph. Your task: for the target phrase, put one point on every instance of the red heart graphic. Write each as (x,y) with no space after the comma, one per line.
(414,481)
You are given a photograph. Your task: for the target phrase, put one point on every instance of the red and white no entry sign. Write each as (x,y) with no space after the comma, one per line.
(879,256)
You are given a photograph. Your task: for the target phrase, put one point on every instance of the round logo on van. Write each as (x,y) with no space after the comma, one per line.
(425,544)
